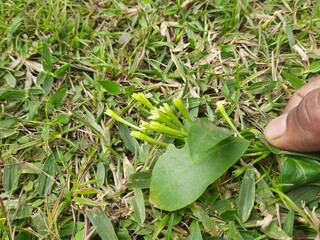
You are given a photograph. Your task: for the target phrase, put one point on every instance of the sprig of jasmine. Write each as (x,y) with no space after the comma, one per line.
(168,111)
(158,127)
(158,115)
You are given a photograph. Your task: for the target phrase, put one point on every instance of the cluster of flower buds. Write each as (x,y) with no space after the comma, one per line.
(161,120)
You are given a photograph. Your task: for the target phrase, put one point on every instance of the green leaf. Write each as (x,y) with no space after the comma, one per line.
(273,231)
(288,225)
(130,142)
(171,10)
(303,194)
(10,176)
(293,80)
(47,175)
(139,206)
(12,94)
(101,174)
(191,37)
(10,79)
(246,195)
(177,181)
(110,86)
(39,221)
(296,171)
(48,83)
(203,135)
(195,232)
(68,229)
(46,59)
(102,224)
(85,201)
(139,180)
(261,87)
(233,232)
(57,98)
(314,67)
(200,213)
(290,35)
(61,70)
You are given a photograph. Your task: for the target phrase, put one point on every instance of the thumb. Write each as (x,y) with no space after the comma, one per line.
(298,129)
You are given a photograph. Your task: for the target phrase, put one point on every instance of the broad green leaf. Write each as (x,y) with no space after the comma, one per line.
(288,225)
(12,94)
(296,171)
(273,231)
(85,201)
(69,229)
(293,80)
(195,232)
(47,175)
(290,35)
(171,10)
(191,37)
(102,224)
(233,233)
(101,174)
(177,181)
(203,135)
(261,87)
(314,67)
(4,132)
(60,119)
(111,86)
(61,70)
(10,176)
(139,180)
(57,98)
(10,79)
(41,77)
(246,195)
(46,59)
(200,213)
(139,206)
(303,194)
(48,83)
(130,142)
(39,221)
(87,190)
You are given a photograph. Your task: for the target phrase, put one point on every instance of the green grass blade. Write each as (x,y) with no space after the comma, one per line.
(102,224)
(47,175)
(195,232)
(139,206)
(247,195)
(10,176)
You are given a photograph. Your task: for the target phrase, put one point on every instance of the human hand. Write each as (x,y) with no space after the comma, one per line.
(298,128)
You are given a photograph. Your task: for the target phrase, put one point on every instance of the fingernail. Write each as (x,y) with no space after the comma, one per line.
(276,128)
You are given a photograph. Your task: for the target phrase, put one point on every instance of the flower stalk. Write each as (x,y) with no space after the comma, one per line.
(226,117)
(116,117)
(141,136)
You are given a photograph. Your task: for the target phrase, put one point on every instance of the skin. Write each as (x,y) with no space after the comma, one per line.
(298,128)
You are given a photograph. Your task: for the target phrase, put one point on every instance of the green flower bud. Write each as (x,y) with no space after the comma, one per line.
(140,97)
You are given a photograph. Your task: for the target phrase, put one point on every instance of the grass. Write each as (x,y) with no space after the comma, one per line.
(69,171)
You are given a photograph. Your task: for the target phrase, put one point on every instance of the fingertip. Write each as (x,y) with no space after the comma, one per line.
(276,129)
